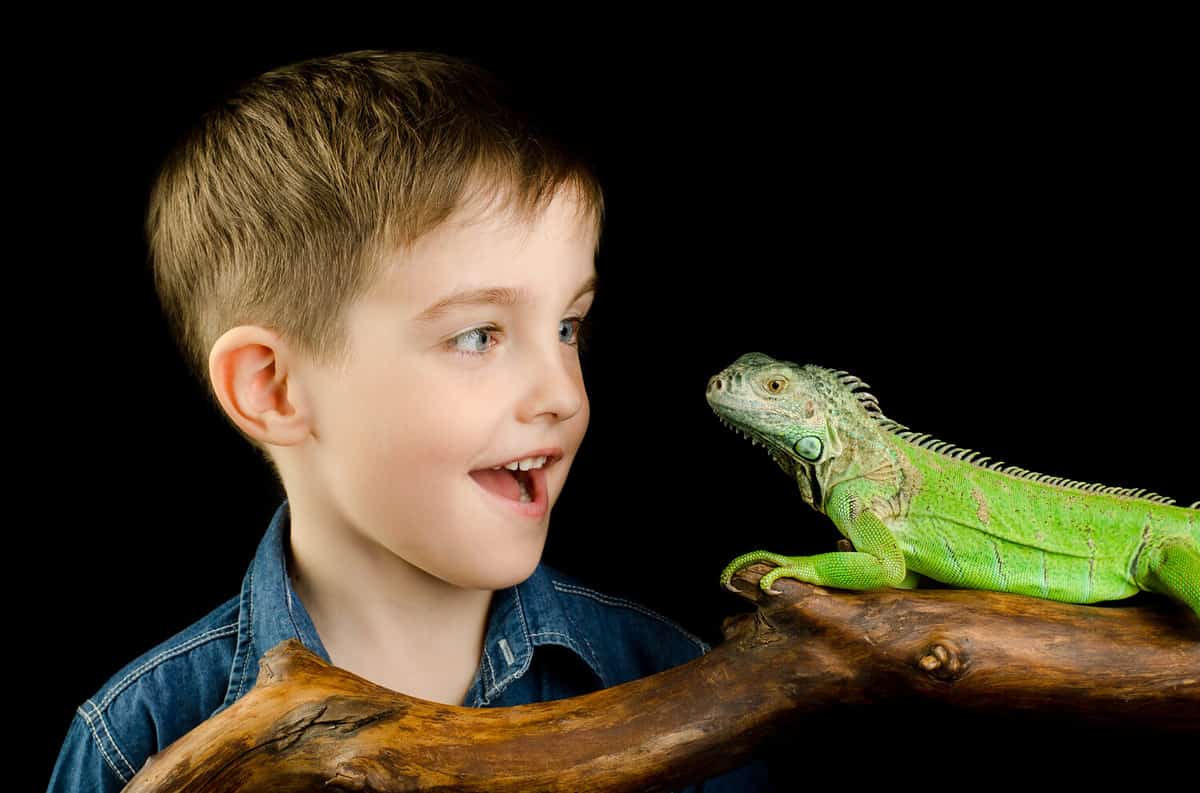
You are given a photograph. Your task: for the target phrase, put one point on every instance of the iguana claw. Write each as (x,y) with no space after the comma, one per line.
(748,559)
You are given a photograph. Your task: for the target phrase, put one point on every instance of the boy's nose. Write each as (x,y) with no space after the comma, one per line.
(557,390)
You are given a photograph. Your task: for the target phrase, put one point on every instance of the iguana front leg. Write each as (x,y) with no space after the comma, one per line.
(877,563)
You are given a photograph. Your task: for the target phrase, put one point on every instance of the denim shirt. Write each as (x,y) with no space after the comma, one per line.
(584,640)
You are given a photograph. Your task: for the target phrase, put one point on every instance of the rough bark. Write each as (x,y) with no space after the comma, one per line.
(307,725)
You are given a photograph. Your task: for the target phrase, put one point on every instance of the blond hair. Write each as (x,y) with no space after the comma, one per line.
(278,208)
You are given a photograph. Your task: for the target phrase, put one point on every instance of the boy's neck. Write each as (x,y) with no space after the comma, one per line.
(386,620)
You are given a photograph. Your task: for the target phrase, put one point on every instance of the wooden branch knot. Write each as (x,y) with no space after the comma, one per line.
(943,660)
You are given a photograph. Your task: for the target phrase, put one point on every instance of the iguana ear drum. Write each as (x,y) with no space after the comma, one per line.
(808,447)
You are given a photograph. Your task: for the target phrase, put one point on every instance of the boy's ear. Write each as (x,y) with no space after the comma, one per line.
(249,370)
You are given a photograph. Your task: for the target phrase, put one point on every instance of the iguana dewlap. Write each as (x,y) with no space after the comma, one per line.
(910,503)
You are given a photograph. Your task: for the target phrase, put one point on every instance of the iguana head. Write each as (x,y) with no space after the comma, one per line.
(803,414)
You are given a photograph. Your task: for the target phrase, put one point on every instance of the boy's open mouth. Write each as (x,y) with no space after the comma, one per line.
(516,485)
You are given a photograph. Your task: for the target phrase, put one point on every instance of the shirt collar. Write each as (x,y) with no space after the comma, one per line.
(521,617)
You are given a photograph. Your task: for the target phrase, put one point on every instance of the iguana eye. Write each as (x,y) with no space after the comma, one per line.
(808,447)
(776,385)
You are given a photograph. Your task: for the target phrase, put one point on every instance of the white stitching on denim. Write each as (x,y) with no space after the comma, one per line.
(591,659)
(249,639)
(521,611)
(568,639)
(113,740)
(166,654)
(570,642)
(100,744)
(616,601)
(495,688)
(287,588)
(489,688)
(525,634)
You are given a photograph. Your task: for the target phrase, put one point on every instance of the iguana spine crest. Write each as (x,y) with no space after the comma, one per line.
(925,441)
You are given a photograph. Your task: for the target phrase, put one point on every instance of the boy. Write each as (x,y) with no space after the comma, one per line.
(364,259)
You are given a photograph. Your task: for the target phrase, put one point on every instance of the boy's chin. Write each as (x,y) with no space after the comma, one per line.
(502,573)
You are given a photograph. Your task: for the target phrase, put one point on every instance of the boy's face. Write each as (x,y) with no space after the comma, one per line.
(427,401)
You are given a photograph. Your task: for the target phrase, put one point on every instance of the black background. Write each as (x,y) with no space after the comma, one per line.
(993,225)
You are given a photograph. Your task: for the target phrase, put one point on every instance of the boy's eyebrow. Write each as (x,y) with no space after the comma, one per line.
(491,295)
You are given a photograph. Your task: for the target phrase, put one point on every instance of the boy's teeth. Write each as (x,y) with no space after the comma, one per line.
(524,465)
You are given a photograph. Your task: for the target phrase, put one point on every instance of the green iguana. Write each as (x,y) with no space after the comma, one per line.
(911,504)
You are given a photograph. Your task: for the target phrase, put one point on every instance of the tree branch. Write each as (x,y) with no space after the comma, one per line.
(307,725)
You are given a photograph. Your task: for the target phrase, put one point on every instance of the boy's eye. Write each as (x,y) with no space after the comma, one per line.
(470,336)
(465,342)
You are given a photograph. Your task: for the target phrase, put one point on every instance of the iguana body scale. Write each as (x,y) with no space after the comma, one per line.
(913,504)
